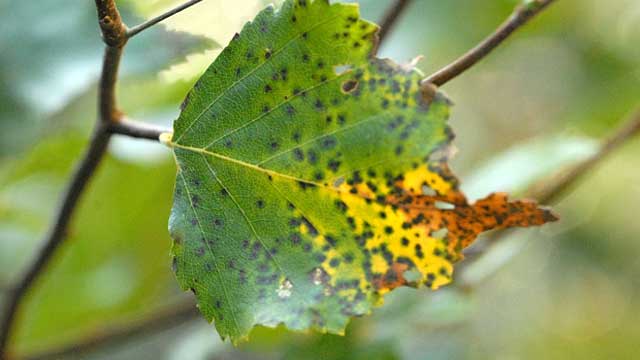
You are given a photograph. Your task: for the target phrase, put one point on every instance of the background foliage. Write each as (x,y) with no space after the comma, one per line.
(569,289)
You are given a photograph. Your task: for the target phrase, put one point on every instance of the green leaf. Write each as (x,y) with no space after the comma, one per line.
(312,176)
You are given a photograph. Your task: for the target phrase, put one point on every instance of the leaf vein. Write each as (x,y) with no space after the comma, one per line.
(347,127)
(244,215)
(264,114)
(224,288)
(275,54)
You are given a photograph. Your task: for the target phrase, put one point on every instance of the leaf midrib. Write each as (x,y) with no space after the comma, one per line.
(244,163)
(259,168)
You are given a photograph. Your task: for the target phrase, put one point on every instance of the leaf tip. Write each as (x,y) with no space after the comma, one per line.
(548,215)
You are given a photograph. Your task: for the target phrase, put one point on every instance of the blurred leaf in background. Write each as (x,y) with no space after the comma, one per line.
(51,52)
(570,290)
(117,263)
(224,19)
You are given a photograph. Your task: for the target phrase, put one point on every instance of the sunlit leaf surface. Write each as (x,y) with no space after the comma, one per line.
(312,177)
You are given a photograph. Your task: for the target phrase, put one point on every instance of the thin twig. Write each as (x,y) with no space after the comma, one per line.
(137,129)
(390,18)
(149,23)
(161,320)
(114,36)
(555,188)
(520,16)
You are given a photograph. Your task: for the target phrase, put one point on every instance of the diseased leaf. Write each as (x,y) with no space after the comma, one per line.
(312,177)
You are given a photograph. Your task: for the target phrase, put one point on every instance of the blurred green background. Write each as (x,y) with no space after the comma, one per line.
(538,104)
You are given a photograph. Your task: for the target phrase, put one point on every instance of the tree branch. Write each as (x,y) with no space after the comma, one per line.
(114,31)
(137,129)
(114,36)
(167,318)
(149,23)
(558,186)
(56,234)
(555,188)
(520,16)
(390,18)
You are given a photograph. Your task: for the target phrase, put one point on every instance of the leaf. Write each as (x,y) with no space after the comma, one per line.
(312,177)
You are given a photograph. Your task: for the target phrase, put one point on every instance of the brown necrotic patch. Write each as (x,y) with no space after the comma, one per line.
(391,279)
(349,86)
(450,217)
(399,228)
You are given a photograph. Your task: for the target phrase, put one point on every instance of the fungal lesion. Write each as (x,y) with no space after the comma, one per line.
(349,86)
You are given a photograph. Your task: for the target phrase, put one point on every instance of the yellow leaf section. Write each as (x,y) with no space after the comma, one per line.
(385,222)
(415,179)
(421,222)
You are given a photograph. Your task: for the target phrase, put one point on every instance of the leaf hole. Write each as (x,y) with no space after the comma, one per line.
(319,276)
(412,276)
(443,205)
(428,191)
(341,69)
(439,234)
(284,290)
